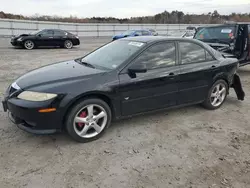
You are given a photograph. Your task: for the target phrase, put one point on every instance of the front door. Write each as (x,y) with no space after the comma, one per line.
(155,89)
(45,38)
(197,70)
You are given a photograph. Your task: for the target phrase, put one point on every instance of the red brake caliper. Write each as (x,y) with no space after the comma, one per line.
(83,115)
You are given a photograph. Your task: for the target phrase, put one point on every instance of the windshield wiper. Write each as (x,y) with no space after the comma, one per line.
(85,63)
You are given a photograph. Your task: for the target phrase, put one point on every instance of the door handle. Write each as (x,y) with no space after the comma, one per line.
(169,76)
(213,67)
(51,37)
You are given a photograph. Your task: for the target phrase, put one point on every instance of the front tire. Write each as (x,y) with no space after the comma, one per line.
(88,120)
(216,95)
(29,44)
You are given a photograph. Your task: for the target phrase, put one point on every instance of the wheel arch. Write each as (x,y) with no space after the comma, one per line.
(82,97)
(221,76)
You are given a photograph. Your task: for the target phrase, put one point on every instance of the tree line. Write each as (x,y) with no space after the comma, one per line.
(174,17)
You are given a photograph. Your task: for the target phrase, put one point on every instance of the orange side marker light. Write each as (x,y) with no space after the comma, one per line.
(47,110)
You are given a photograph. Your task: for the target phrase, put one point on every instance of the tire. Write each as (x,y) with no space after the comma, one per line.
(29,44)
(216,95)
(81,126)
(68,44)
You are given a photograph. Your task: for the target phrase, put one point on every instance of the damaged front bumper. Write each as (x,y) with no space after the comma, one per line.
(237,85)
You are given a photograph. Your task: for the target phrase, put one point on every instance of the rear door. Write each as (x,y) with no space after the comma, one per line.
(197,69)
(59,37)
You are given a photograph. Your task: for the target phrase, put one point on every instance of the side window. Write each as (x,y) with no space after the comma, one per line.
(47,33)
(191,53)
(59,33)
(139,33)
(145,33)
(158,56)
(208,56)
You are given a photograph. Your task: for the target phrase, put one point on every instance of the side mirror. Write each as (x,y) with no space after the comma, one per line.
(139,68)
(39,35)
(136,35)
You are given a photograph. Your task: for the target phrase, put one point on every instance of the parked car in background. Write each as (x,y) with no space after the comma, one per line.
(125,77)
(189,33)
(46,37)
(153,32)
(231,39)
(132,33)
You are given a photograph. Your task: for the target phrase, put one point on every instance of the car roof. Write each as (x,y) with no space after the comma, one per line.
(149,39)
(153,39)
(53,29)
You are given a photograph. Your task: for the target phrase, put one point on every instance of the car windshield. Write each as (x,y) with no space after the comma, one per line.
(35,32)
(225,32)
(113,54)
(128,32)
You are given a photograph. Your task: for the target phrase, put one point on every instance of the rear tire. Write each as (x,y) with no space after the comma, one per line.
(68,44)
(216,95)
(88,120)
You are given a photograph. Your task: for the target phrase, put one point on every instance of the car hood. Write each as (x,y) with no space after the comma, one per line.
(58,72)
(22,35)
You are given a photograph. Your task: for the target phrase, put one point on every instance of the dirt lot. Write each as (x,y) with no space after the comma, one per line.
(188,147)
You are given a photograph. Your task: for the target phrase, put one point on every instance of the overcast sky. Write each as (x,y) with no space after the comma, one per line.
(120,8)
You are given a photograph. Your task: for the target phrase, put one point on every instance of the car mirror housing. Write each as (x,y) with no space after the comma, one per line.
(139,68)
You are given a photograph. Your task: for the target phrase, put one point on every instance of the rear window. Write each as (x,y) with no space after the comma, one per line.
(225,32)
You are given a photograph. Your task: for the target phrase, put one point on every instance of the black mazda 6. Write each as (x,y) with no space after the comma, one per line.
(120,79)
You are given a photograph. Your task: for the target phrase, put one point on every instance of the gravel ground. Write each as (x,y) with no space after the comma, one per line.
(188,147)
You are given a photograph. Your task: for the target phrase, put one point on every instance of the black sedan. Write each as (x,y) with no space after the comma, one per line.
(46,37)
(120,79)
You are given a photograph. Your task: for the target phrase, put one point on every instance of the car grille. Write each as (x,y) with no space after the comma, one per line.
(12,90)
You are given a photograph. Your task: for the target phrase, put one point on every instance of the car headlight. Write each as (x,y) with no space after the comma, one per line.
(36,96)
(20,39)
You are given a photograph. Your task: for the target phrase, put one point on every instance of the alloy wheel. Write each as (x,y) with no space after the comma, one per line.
(218,94)
(68,44)
(29,45)
(90,121)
